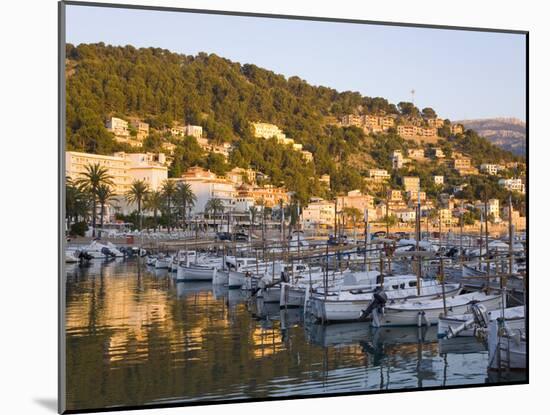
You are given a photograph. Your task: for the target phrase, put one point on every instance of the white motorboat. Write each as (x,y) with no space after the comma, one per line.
(183,256)
(150,260)
(507,346)
(163,262)
(350,305)
(465,325)
(195,272)
(71,256)
(237,274)
(426,312)
(102,250)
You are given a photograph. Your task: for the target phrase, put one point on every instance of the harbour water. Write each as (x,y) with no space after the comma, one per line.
(135,337)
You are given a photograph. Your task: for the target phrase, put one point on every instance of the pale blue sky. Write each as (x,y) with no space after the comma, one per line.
(461,74)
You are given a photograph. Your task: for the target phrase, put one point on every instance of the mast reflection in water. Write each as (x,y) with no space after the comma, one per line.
(135,337)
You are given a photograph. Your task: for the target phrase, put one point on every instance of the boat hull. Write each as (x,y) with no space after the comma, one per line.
(344,311)
(191,273)
(426,317)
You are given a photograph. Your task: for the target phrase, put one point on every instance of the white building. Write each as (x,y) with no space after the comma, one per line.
(397,159)
(318,212)
(416,153)
(306,155)
(244,203)
(187,131)
(193,131)
(238,175)
(265,130)
(379,175)
(493,207)
(124,168)
(148,167)
(206,185)
(118,127)
(439,179)
(405,215)
(491,169)
(514,185)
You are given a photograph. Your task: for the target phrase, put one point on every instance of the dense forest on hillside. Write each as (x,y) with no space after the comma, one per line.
(161,87)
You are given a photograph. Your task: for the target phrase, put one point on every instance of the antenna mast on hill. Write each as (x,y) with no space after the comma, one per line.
(412,95)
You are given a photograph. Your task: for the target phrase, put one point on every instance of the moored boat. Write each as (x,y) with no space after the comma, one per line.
(426,312)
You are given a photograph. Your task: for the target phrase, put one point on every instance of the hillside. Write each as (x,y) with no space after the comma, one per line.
(507,133)
(225,97)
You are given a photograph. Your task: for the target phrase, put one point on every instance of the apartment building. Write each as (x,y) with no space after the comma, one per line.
(437,153)
(318,212)
(412,195)
(187,131)
(124,168)
(266,130)
(463,166)
(118,127)
(356,199)
(491,169)
(410,131)
(207,185)
(269,195)
(513,185)
(395,195)
(405,215)
(142,129)
(325,179)
(435,122)
(493,208)
(118,168)
(439,179)
(415,153)
(369,123)
(307,156)
(397,159)
(411,183)
(446,217)
(407,131)
(378,175)
(352,120)
(238,175)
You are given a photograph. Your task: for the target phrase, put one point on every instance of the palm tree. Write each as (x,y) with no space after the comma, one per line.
(186,198)
(77,203)
(104,195)
(89,182)
(153,202)
(169,193)
(215,206)
(253,210)
(137,194)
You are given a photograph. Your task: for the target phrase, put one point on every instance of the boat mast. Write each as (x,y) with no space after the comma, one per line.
(510,237)
(298,226)
(461,230)
(486,231)
(442,270)
(366,222)
(418,234)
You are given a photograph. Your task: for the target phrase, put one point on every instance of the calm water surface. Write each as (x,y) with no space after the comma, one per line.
(135,337)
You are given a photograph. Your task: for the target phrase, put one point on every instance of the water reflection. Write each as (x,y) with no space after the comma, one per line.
(135,336)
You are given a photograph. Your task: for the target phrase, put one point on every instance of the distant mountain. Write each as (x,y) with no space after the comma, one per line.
(507,133)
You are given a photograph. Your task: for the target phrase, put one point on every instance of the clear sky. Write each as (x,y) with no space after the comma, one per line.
(461,74)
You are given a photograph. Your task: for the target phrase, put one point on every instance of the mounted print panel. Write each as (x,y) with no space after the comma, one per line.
(262,207)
